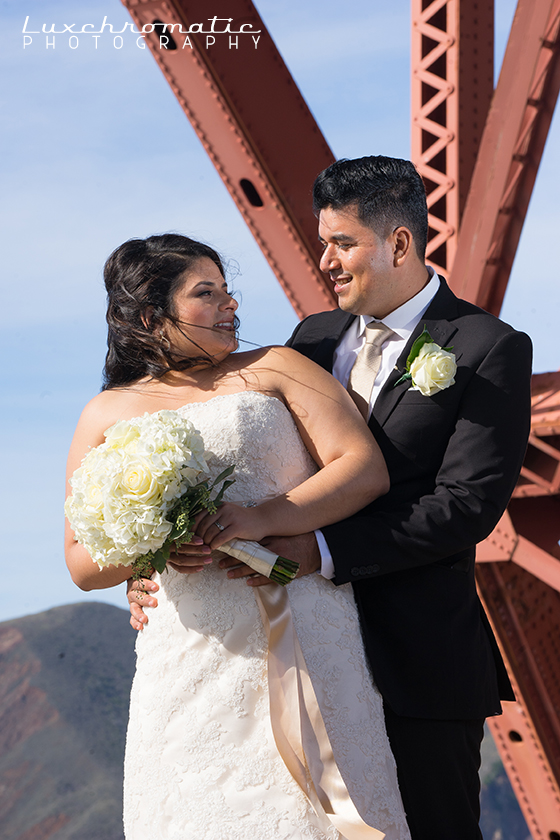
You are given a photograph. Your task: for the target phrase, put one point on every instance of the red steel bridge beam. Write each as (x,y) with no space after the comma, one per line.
(519,569)
(519,579)
(510,154)
(255,125)
(452,84)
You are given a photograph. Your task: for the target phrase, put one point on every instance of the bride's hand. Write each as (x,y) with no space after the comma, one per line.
(187,559)
(230,522)
(137,592)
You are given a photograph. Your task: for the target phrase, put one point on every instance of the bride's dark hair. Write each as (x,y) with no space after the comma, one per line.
(141,278)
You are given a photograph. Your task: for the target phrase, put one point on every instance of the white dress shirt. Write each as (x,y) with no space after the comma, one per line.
(403,321)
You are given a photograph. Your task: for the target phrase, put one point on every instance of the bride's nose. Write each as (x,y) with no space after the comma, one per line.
(230,303)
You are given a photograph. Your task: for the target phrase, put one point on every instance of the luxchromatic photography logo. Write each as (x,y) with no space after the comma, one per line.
(167,36)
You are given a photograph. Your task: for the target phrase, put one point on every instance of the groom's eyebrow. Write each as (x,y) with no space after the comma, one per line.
(338,237)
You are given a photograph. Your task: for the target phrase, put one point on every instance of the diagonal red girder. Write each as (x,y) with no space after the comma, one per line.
(509,156)
(255,125)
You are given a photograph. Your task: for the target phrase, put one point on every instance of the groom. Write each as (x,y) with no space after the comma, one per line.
(453,458)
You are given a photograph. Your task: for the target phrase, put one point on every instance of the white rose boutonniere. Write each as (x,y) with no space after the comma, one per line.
(429,367)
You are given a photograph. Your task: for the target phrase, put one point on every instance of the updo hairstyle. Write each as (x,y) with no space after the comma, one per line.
(142,277)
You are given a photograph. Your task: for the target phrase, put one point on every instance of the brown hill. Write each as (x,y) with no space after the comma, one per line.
(65,679)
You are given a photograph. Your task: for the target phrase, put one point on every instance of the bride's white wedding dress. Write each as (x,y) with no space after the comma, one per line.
(201,761)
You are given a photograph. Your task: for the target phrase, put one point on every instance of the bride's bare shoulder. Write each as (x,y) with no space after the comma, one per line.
(282,371)
(284,360)
(102,412)
(114,404)
(275,355)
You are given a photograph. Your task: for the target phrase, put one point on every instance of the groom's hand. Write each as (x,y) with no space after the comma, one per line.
(303,549)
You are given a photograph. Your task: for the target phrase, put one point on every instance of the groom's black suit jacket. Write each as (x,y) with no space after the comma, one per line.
(453,459)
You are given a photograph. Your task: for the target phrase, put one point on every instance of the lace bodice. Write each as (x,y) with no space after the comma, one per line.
(201,761)
(256,433)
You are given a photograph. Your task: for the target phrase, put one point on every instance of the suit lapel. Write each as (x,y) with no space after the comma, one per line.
(324,352)
(436,320)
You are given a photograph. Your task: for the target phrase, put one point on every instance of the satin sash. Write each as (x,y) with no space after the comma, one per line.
(297,723)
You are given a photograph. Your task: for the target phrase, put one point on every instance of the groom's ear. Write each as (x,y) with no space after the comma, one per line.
(402,243)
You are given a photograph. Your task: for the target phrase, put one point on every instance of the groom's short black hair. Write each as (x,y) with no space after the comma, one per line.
(388,193)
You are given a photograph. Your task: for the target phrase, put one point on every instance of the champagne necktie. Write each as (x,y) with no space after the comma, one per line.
(367,364)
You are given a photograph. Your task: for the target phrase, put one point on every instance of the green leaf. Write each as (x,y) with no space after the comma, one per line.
(160,558)
(180,528)
(142,567)
(223,475)
(183,538)
(220,495)
(423,338)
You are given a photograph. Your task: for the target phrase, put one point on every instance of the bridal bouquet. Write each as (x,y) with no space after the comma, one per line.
(136,496)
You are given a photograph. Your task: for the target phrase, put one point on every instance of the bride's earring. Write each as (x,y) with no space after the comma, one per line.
(164,341)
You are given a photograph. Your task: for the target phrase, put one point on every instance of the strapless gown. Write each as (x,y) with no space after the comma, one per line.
(201,761)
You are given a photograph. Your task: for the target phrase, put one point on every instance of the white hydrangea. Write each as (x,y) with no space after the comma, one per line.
(124,488)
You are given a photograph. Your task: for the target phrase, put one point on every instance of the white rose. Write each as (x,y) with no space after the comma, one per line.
(138,482)
(93,496)
(121,434)
(432,370)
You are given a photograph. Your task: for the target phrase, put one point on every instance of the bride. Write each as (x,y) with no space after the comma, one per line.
(208,743)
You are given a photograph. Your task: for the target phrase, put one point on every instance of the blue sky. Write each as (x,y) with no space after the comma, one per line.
(96,150)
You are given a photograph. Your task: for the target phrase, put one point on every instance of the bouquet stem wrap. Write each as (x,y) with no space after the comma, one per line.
(261,560)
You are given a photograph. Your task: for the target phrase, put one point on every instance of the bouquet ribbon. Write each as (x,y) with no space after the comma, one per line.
(297,723)
(279,569)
